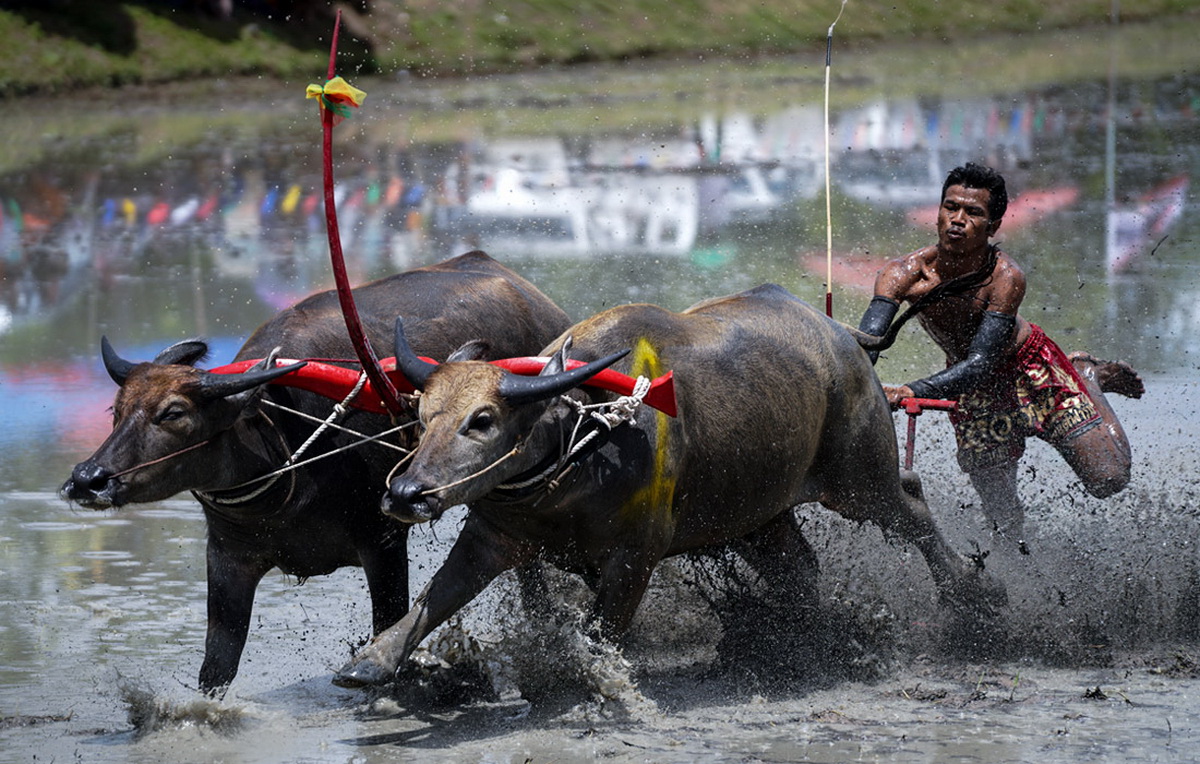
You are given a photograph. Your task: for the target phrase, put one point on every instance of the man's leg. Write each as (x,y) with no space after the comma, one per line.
(1110,376)
(997,489)
(1100,456)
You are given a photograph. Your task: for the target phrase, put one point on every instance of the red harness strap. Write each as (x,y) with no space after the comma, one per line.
(336,382)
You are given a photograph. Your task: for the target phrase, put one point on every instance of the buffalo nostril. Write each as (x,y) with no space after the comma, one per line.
(91,477)
(407,491)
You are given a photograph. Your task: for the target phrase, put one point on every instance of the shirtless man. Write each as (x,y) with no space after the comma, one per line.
(1010,380)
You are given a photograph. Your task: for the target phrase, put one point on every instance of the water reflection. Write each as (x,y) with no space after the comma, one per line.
(203,212)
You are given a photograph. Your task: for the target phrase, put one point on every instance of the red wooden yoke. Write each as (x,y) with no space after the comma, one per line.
(336,382)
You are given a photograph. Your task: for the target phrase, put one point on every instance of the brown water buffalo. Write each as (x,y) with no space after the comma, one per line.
(777,405)
(325,515)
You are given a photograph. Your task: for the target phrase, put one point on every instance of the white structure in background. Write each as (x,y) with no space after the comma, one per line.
(887,157)
(896,153)
(523,196)
(632,194)
(519,196)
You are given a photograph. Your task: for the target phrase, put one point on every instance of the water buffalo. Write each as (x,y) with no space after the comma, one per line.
(777,405)
(325,515)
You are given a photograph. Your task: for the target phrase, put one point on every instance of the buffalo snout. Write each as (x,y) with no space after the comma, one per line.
(408,502)
(92,485)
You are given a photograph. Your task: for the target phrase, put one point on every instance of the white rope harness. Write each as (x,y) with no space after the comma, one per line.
(610,414)
(292,463)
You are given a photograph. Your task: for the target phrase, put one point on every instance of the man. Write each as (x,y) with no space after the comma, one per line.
(1010,380)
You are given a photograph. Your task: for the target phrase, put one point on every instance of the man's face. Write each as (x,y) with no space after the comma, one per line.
(963,222)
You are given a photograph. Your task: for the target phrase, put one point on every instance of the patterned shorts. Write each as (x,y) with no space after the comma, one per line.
(1039,393)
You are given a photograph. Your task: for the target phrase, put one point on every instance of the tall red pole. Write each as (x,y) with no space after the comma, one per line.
(362,345)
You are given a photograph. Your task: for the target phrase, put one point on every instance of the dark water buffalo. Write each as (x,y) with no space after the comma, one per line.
(325,515)
(777,406)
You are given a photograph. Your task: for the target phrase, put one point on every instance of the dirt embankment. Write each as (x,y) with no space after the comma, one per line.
(60,45)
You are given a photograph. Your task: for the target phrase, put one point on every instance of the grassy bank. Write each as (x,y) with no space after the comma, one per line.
(61,45)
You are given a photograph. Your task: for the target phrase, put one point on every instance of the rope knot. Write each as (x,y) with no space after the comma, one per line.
(622,410)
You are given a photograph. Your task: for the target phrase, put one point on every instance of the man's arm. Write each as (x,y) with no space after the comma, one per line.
(991,343)
(890,290)
(992,339)
(877,319)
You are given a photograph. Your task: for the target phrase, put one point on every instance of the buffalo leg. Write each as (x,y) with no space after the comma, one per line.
(479,555)
(780,554)
(231,587)
(386,570)
(623,581)
(899,508)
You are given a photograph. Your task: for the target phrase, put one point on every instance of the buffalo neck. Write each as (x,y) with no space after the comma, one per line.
(252,451)
(558,442)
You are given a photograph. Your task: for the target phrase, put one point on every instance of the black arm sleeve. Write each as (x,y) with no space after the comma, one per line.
(995,331)
(877,319)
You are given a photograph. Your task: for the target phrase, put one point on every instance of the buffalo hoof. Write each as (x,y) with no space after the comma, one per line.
(362,674)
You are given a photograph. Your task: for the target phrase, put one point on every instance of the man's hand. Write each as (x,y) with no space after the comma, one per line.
(897,393)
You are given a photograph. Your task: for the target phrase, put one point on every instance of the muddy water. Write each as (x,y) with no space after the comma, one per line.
(168,215)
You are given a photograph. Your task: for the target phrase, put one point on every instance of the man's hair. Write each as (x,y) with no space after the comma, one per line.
(970,175)
(973,175)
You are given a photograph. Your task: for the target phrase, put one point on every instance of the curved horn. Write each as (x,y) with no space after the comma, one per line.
(414,369)
(214,386)
(516,389)
(187,353)
(116,366)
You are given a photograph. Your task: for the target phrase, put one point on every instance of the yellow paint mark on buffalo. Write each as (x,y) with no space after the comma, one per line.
(657,495)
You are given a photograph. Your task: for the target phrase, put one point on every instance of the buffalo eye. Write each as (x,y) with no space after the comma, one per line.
(480,421)
(170,414)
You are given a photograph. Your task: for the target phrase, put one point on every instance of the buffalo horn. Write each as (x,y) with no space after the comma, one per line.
(187,353)
(516,389)
(116,366)
(213,386)
(414,369)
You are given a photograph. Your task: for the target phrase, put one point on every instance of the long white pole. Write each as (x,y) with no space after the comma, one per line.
(828,204)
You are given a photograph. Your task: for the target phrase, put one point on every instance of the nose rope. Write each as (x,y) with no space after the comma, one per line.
(270,478)
(515,450)
(392,473)
(293,461)
(160,459)
(608,414)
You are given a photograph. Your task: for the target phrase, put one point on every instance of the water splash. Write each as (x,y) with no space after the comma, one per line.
(150,711)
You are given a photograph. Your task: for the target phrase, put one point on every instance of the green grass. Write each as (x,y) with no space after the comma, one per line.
(62,46)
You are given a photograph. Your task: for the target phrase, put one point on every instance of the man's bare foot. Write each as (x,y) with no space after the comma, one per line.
(1111,376)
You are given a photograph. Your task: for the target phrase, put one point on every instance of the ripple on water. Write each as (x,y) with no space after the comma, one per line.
(172,510)
(43,496)
(103,554)
(52,526)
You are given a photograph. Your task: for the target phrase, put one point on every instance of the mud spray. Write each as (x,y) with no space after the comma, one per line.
(1103,579)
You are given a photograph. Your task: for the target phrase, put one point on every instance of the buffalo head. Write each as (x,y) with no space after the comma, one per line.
(477,422)
(165,414)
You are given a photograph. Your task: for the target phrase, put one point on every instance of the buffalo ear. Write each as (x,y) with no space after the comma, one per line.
(475,350)
(188,353)
(558,360)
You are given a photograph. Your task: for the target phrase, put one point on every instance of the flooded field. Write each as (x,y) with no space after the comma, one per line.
(160,218)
